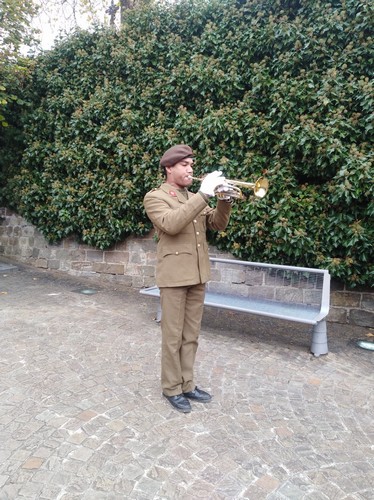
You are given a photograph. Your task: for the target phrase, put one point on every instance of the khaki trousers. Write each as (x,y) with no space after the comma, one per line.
(182,311)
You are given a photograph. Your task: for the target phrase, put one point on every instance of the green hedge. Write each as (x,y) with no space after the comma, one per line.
(273,87)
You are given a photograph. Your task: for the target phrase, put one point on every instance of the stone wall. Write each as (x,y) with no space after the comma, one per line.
(132,263)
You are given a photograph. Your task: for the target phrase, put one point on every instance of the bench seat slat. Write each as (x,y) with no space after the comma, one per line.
(271,308)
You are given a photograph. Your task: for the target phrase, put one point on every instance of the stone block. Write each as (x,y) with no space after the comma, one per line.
(108,268)
(114,257)
(148,270)
(261,292)
(27,231)
(338,315)
(74,254)
(149,245)
(65,265)
(360,317)
(150,255)
(147,281)
(254,276)
(132,269)
(95,255)
(53,264)
(233,275)
(83,266)
(345,299)
(367,301)
(138,257)
(40,241)
(122,246)
(239,290)
(42,263)
(293,295)
(26,252)
(14,220)
(23,241)
(142,244)
(215,274)
(312,297)
(139,281)
(70,242)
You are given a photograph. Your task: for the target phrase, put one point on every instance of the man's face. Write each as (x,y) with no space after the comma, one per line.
(179,175)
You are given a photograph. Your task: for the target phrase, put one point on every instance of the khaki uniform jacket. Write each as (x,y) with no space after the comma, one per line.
(181,225)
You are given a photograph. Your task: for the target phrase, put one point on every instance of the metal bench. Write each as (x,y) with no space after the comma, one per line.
(284,292)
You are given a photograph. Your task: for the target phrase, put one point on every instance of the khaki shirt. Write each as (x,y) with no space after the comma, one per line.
(181,225)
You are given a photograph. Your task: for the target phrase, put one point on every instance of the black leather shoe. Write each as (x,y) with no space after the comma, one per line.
(198,395)
(179,402)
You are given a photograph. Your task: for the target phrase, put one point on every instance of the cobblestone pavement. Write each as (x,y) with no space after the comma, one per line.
(82,417)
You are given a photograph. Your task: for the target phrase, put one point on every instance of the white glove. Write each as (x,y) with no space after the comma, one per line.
(211,181)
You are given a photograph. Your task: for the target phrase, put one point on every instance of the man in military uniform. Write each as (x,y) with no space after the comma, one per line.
(181,219)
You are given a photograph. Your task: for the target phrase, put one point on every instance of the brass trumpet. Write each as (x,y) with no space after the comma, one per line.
(230,189)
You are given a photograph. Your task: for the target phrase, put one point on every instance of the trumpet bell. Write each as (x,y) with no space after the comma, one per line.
(261,187)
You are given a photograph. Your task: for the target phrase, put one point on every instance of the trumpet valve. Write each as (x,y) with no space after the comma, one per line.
(228,191)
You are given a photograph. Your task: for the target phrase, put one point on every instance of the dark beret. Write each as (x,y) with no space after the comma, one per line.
(175,154)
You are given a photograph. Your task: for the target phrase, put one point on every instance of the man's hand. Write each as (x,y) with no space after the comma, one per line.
(211,181)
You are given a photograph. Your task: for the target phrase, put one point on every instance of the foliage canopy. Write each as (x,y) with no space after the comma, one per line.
(280,88)
(15,31)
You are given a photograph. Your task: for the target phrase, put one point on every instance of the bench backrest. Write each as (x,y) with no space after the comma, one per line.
(278,283)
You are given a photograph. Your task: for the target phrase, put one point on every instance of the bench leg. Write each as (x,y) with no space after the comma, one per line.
(158,315)
(319,339)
